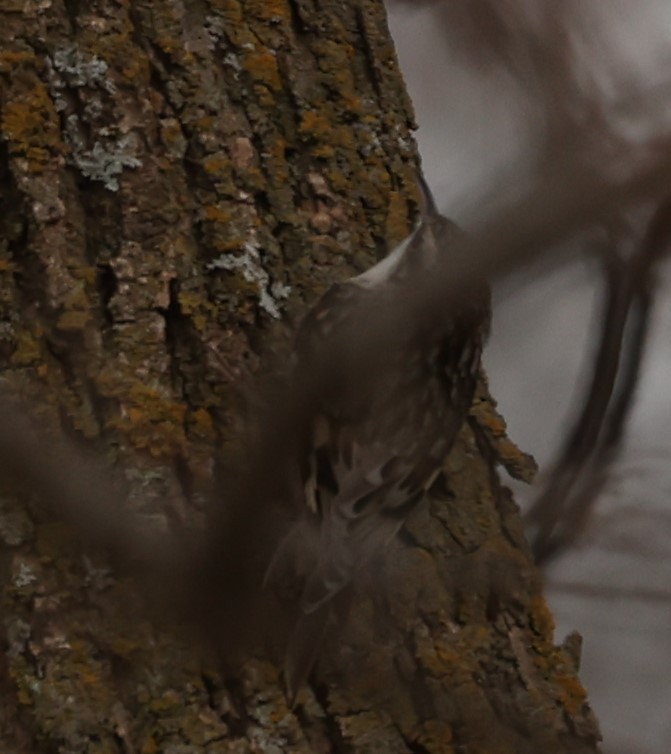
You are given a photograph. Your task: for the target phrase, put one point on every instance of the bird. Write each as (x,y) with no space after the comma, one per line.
(375,444)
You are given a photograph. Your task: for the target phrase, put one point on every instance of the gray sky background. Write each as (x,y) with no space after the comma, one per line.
(476,136)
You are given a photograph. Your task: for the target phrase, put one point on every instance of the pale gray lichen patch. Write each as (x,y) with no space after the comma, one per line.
(100,151)
(79,69)
(262,741)
(280,291)
(232,60)
(23,574)
(17,633)
(248,264)
(15,525)
(96,576)
(106,159)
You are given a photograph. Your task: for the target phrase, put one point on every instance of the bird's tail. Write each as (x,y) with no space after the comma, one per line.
(303,648)
(298,561)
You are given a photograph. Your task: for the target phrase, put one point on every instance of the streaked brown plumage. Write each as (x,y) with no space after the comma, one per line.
(376,448)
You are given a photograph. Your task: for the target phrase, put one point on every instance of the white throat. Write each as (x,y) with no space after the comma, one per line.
(385,268)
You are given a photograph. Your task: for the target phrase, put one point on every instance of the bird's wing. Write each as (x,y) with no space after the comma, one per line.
(363,493)
(361,503)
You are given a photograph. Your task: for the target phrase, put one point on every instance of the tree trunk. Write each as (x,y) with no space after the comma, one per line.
(178,179)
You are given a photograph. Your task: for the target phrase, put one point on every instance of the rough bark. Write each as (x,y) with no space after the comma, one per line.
(176,178)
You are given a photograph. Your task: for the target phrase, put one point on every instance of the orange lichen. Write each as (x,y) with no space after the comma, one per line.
(573,696)
(202,424)
(435,736)
(314,123)
(269,10)
(151,420)
(29,124)
(73,320)
(217,214)
(149,746)
(169,44)
(11,59)
(398,222)
(216,163)
(541,617)
(324,151)
(262,67)
(136,67)
(28,350)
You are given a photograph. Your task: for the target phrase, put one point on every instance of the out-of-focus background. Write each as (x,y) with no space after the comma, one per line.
(478,132)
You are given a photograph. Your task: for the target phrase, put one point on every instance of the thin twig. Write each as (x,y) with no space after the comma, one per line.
(562,510)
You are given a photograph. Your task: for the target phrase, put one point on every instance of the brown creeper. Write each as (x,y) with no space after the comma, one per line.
(374,450)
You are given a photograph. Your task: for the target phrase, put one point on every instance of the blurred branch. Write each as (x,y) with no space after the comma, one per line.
(562,510)
(556,52)
(613,593)
(72,484)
